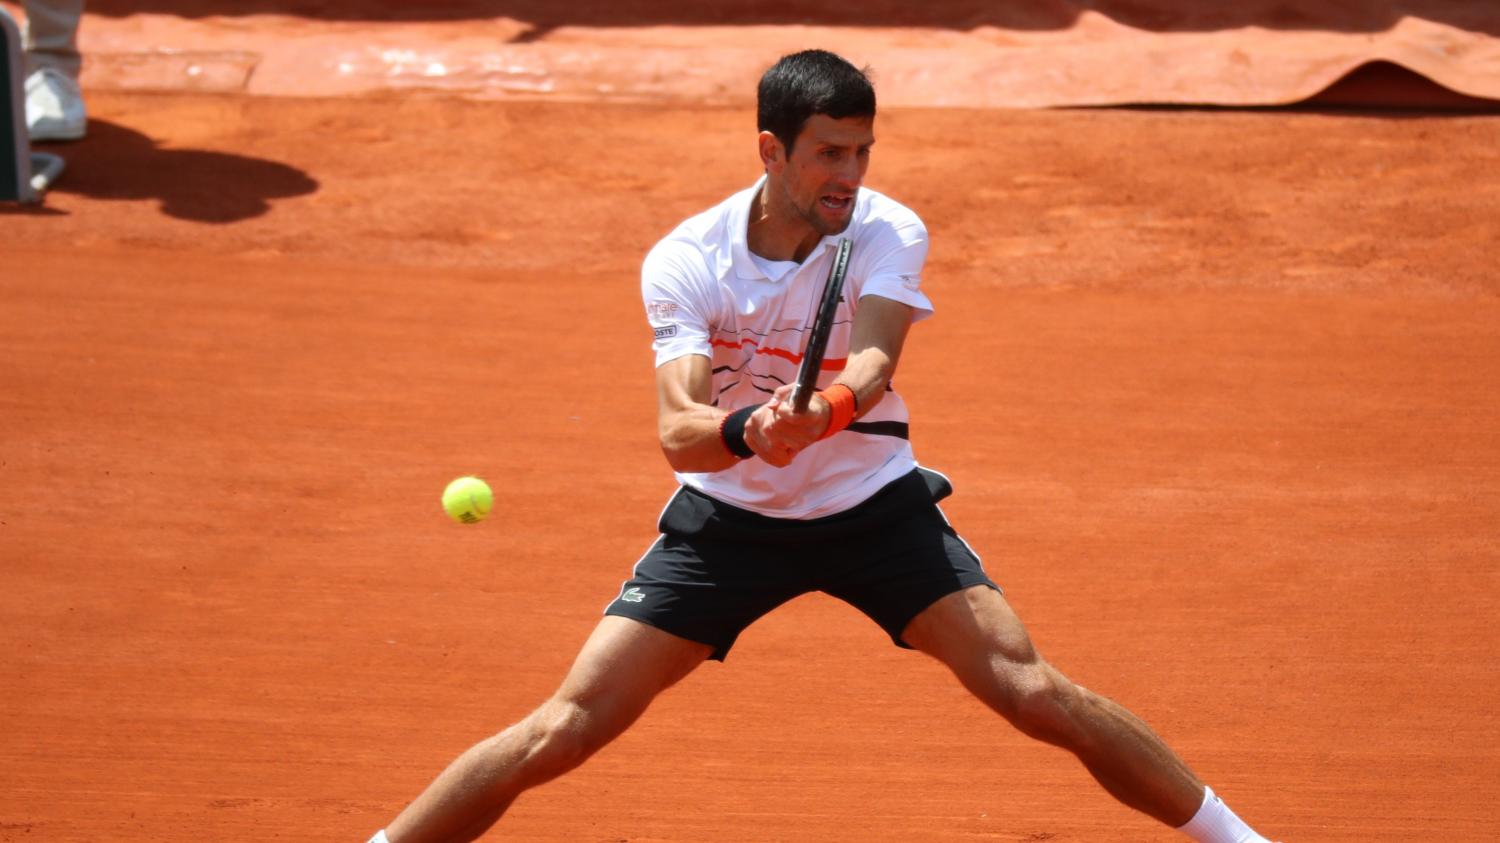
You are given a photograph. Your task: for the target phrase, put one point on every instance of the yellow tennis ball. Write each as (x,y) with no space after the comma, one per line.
(468,500)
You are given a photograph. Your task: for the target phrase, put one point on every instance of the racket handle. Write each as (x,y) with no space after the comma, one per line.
(802,397)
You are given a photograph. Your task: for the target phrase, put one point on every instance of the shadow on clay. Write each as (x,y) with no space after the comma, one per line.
(117,162)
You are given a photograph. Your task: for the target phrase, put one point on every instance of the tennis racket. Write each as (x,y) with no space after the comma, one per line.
(817,338)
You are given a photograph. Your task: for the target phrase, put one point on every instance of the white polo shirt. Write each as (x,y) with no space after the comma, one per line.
(706,294)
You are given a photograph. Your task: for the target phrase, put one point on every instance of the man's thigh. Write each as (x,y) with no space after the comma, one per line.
(625,664)
(969,629)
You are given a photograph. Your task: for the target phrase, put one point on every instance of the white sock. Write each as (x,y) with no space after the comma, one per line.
(379,837)
(1214,823)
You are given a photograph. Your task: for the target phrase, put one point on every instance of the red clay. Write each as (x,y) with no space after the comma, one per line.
(1219,392)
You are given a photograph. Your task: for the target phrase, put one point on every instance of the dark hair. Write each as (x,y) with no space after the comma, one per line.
(807,83)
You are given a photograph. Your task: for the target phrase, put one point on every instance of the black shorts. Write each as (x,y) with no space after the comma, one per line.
(717,568)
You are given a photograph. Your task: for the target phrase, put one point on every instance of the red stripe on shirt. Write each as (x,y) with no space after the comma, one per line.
(828,365)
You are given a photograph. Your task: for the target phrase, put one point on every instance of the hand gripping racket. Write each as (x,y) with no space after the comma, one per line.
(817,338)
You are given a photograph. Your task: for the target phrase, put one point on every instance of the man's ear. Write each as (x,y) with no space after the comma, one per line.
(772,154)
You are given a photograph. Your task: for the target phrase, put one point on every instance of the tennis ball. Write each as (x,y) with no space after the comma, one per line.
(468,500)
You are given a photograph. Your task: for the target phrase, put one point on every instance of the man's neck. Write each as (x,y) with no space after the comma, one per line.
(778,234)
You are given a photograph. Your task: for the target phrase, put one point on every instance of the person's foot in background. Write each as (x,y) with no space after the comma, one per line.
(54,106)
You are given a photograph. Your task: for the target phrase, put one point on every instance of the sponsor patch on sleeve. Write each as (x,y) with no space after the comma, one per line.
(660,310)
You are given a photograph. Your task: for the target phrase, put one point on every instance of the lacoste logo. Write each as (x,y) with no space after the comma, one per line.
(667,332)
(633,595)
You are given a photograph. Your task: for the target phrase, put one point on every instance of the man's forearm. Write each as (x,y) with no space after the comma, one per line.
(867,375)
(691,442)
(875,345)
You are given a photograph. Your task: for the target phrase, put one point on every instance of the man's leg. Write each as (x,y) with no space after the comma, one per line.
(621,668)
(979,637)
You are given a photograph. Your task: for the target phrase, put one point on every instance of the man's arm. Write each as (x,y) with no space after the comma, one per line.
(880,328)
(686,423)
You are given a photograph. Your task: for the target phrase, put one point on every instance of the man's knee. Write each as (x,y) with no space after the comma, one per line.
(560,735)
(1040,702)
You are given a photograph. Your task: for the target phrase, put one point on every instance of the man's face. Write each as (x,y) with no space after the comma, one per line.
(821,178)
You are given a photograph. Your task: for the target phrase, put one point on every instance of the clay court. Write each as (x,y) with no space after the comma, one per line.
(1219,390)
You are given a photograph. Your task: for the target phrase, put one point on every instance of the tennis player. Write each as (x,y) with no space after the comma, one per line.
(775,503)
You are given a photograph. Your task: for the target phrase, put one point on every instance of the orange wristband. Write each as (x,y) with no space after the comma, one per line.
(841,408)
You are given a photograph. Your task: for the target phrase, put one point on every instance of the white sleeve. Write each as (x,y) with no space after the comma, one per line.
(678,293)
(895,250)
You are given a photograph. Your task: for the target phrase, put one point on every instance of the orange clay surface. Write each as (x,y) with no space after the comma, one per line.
(1220,393)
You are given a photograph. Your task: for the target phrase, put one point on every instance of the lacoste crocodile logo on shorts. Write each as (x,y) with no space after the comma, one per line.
(633,595)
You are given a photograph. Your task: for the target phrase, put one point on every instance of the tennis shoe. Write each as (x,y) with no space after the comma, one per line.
(54,106)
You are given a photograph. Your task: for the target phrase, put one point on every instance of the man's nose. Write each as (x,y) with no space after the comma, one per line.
(850,173)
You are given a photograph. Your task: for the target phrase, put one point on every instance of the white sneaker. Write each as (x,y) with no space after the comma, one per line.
(54,106)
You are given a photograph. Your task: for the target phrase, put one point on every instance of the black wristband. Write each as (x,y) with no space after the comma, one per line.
(732,431)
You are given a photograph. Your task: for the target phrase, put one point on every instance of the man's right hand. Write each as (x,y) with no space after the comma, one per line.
(769,437)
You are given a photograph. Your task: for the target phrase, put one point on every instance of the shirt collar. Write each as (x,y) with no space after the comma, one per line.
(737,257)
